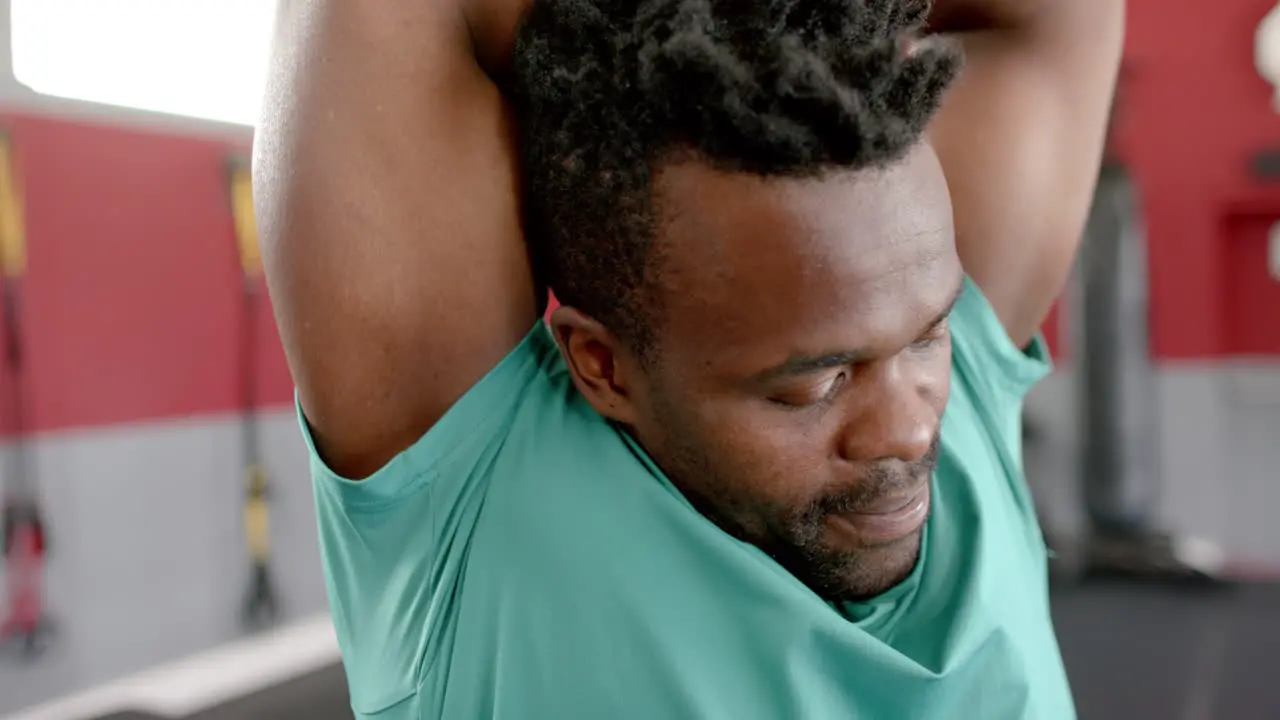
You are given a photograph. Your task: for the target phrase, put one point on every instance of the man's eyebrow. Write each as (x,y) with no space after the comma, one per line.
(802,364)
(951,305)
(798,365)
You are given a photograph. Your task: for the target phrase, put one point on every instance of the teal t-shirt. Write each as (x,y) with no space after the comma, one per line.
(526,560)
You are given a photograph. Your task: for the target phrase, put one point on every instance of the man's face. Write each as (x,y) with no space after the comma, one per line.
(803,362)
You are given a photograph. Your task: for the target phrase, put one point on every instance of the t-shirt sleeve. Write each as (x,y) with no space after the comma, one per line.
(995,375)
(392,544)
(1000,373)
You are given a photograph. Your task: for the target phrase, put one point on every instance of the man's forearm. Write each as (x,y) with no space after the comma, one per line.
(959,16)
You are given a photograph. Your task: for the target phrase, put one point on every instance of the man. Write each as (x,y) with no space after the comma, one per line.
(722,483)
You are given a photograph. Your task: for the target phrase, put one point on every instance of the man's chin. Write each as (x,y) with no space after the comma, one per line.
(851,575)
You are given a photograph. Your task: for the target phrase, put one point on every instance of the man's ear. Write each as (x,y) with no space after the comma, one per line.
(602,367)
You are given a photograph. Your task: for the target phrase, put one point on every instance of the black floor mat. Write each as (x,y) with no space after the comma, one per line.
(319,696)
(1142,652)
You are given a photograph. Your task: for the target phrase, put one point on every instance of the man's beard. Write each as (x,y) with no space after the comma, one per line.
(796,537)
(799,544)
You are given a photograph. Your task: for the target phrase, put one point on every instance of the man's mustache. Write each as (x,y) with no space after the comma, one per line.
(880,480)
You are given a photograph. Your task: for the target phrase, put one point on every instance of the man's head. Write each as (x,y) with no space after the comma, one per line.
(753,246)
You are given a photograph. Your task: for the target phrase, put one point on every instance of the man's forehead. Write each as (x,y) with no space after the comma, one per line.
(733,232)
(743,255)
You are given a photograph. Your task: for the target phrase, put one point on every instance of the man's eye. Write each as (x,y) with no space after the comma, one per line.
(935,336)
(812,396)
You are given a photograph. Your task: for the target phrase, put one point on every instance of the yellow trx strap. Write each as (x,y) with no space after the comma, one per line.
(246,224)
(260,603)
(13,239)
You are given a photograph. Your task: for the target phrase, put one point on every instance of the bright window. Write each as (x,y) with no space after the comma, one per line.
(201,58)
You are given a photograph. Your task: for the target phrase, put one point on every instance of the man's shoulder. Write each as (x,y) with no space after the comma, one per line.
(985,360)
(481,417)
(982,426)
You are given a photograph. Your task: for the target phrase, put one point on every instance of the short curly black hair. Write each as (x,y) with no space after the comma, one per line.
(606,91)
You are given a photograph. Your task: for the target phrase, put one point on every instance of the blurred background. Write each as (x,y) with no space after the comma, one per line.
(145,404)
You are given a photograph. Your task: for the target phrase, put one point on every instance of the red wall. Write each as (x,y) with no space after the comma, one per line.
(1194,114)
(132,308)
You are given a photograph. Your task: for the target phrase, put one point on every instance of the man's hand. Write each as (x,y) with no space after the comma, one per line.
(1020,138)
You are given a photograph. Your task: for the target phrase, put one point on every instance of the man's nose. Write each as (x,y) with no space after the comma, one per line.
(893,418)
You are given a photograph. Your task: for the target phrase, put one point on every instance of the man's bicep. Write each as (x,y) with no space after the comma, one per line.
(386,185)
(1020,138)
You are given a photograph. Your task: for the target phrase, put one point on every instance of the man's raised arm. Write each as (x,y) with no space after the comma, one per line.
(1020,138)
(386,187)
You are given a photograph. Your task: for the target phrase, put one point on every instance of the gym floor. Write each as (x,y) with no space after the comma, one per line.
(1138,653)
(1132,653)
